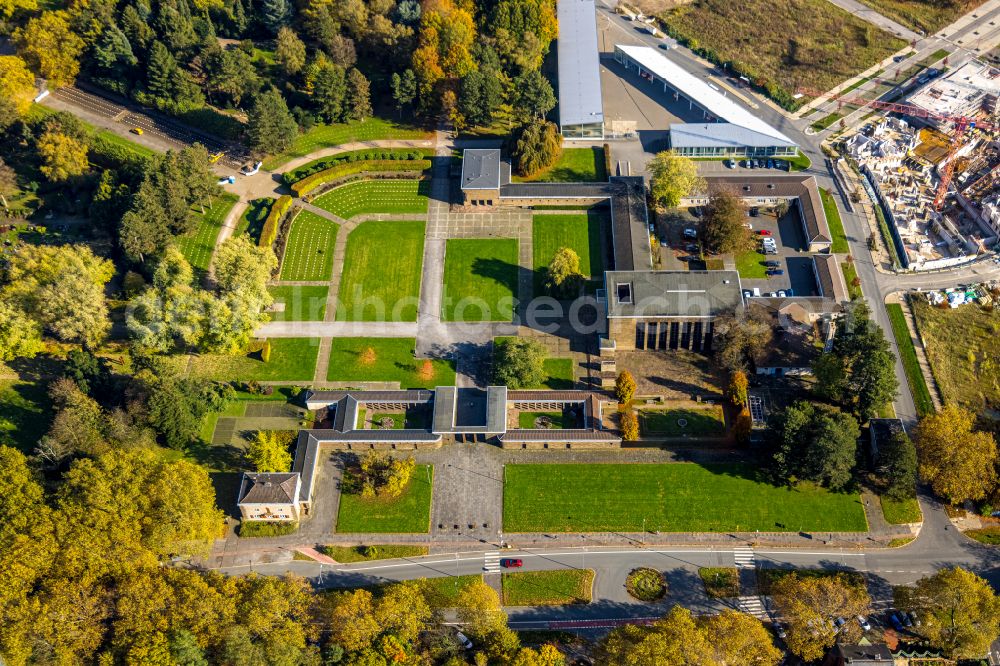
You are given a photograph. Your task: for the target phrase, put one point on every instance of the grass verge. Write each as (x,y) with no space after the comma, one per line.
(850,272)
(575,165)
(908,354)
(720,582)
(389,360)
(443,592)
(292,360)
(349,554)
(409,513)
(836,224)
(547,588)
(901,512)
(766,578)
(669,497)
(987,535)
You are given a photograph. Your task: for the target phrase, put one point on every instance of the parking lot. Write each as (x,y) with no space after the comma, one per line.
(794,262)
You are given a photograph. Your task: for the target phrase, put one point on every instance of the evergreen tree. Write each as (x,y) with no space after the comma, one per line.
(358,95)
(275,14)
(404,89)
(329,88)
(270,127)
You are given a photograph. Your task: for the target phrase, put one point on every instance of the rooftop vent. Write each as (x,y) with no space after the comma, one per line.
(624,292)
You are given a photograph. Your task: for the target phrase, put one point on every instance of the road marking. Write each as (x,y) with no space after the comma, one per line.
(744,558)
(752,605)
(491,562)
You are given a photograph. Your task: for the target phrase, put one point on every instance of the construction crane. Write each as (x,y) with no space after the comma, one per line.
(961,124)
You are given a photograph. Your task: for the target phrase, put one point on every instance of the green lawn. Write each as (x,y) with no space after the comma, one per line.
(443,592)
(322,163)
(349,554)
(750,265)
(408,513)
(701,422)
(123,143)
(325,136)
(398,420)
(826,121)
(252,220)
(292,360)
(720,582)
(547,588)
(988,535)
(908,354)
(575,165)
(836,224)
(480,279)
(198,247)
(850,272)
(301,303)
(558,374)
(580,232)
(526,420)
(25,413)
(381,278)
(376,196)
(899,512)
(670,497)
(394,362)
(310,247)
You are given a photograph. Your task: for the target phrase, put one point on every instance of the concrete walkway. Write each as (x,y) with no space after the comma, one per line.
(865,12)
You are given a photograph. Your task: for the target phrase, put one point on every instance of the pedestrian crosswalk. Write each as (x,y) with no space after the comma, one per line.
(752,606)
(744,558)
(491,562)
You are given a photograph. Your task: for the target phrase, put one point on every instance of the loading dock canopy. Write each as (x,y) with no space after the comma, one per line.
(698,91)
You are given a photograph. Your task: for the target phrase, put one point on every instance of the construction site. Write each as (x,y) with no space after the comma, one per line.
(932,165)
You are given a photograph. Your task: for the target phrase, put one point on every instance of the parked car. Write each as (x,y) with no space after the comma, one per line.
(839,623)
(895,621)
(770,263)
(754,211)
(730,164)
(756,292)
(747,293)
(250,170)
(690,233)
(770,164)
(899,58)
(907,622)
(773,272)
(865,624)
(782,294)
(764,232)
(463,640)
(137,130)
(511,563)
(779,629)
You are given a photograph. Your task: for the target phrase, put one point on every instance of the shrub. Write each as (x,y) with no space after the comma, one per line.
(264,528)
(625,387)
(265,352)
(270,231)
(630,426)
(646,584)
(350,168)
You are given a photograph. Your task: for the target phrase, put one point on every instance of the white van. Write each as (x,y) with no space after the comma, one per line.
(756,292)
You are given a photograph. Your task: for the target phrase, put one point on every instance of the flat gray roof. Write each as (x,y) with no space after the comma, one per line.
(721,135)
(788,186)
(579,64)
(683,294)
(481,169)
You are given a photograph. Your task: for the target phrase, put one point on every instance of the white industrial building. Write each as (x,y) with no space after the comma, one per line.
(581,111)
(729,129)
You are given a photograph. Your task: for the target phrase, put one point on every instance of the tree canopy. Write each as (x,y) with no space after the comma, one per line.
(815,442)
(672,177)
(538,146)
(723,221)
(958,461)
(809,606)
(519,362)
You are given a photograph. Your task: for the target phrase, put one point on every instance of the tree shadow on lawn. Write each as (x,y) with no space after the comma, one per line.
(498,271)
(224,457)
(227,489)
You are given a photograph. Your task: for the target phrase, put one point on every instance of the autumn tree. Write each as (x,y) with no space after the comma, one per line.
(629,425)
(62,288)
(672,177)
(518,363)
(8,182)
(625,387)
(358,95)
(485,622)
(959,612)
(958,461)
(383,475)
(816,442)
(50,47)
(675,638)
(563,276)
(537,147)
(810,604)
(740,639)
(741,338)
(17,88)
(368,356)
(722,229)
(20,335)
(738,389)
(9,7)
(290,51)
(268,451)
(63,156)
(426,371)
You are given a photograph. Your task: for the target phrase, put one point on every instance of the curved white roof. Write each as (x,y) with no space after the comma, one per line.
(698,90)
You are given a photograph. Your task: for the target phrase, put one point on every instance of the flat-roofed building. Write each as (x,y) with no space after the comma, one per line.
(663,310)
(971,89)
(728,130)
(581,111)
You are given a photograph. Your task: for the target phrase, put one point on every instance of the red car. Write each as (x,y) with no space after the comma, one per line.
(764,232)
(507,563)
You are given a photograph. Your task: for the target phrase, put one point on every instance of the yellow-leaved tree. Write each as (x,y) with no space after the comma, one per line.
(958,462)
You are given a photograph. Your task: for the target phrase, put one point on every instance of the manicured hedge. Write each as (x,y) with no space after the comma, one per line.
(112,154)
(351,168)
(607,161)
(270,230)
(324,163)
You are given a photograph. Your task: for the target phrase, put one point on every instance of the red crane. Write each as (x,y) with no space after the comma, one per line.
(961,123)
